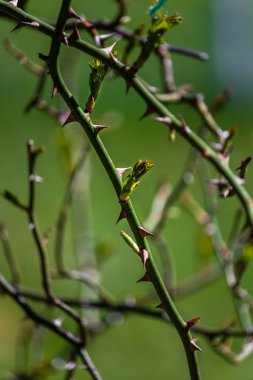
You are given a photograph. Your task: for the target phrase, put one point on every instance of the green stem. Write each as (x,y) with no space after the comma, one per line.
(190,136)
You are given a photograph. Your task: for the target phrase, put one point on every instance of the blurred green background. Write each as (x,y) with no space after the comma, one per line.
(139,348)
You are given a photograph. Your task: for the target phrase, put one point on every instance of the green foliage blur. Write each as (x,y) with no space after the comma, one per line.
(136,347)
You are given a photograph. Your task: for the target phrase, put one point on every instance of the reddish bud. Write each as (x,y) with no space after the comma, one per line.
(73,14)
(192,322)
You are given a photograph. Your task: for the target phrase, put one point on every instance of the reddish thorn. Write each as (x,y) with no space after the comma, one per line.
(194,346)
(160,306)
(122,215)
(109,49)
(144,233)
(192,322)
(21,24)
(122,171)
(44,58)
(97,40)
(69,119)
(73,14)
(145,278)
(99,128)
(54,91)
(128,86)
(75,34)
(144,256)
(148,112)
(165,120)
(63,38)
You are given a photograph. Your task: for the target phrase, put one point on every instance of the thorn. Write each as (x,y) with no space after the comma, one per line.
(112,57)
(97,40)
(73,14)
(63,38)
(128,86)
(122,215)
(54,91)
(148,112)
(104,37)
(194,346)
(144,256)
(192,322)
(99,128)
(144,233)
(165,120)
(44,58)
(75,35)
(109,49)
(21,24)
(145,278)
(69,119)
(122,171)
(160,306)
(14,2)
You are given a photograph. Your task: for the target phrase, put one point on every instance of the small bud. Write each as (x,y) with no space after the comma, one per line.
(130,242)
(35,178)
(58,321)
(31,226)
(192,322)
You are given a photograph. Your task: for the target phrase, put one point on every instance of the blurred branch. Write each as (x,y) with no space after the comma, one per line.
(10,258)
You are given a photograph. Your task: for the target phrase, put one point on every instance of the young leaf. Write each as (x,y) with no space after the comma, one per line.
(99,70)
(133,179)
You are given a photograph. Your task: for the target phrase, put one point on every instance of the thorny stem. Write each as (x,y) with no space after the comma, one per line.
(152,102)
(165,298)
(189,135)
